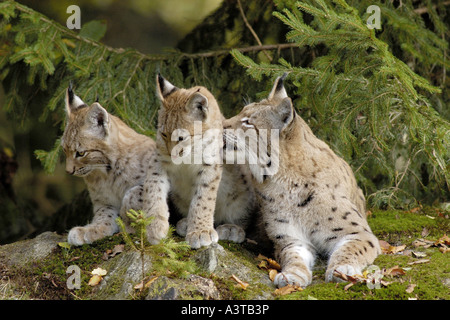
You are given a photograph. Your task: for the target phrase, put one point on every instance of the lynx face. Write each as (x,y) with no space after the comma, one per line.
(186,116)
(255,132)
(85,140)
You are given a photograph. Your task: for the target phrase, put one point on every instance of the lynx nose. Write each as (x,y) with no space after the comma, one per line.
(70,171)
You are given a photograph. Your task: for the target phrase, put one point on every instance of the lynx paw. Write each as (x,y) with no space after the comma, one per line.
(346,269)
(86,235)
(202,238)
(231,232)
(182,227)
(157,230)
(297,279)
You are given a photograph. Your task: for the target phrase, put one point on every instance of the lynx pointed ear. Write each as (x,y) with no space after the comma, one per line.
(197,106)
(285,113)
(278,91)
(164,87)
(98,120)
(73,102)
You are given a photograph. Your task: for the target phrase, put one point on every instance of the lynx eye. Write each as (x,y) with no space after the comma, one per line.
(245,123)
(164,135)
(80,154)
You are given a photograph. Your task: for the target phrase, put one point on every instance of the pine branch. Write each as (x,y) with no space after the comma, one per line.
(157,57)
(359,95)
(423,10)
(251,29)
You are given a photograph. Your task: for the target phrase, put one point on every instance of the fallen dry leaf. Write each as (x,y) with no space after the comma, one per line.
(267,263)
(97,276)
(445,239)
(274,265)
(410,288)
(419,261)
(353,279)
(99,272)
(95,280)
(287,290)
(422,243)
(394,249)
(348,286)
(118,248)
(390,249)
(418,254)
(272,274)
(145,284)
(240,283)
(384,245)
(444,249)
(394,271)
(263,264)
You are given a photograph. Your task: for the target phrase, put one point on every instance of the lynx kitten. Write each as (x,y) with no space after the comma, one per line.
(111,158)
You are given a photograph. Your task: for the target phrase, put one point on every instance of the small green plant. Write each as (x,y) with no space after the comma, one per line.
(168,257)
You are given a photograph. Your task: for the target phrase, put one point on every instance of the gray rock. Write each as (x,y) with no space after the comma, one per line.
(23,252)
(124,273)
(193,287)
(208,257)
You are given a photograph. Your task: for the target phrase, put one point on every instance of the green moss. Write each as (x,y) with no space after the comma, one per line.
(397,228)
(53,268)
(47,279)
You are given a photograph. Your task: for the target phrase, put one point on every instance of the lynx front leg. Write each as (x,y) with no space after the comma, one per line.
(296,258)
(200,227)
(351,256)
(155,193)
(103,225)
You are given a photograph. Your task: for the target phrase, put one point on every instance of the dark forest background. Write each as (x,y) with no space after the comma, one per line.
(398,145)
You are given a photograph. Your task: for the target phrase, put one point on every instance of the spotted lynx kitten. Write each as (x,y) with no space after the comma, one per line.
(205,193)
(311,205)
(111,158)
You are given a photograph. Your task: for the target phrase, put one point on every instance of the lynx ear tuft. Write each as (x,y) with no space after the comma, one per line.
(73,102)
(278,92)
(164,87)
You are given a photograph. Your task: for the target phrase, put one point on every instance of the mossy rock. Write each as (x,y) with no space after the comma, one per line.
(36,268)
(23,252)
(233,259)
(124,272)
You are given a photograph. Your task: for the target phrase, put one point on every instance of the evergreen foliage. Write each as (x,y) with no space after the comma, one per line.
(378,97)
(165,256)
(367,102)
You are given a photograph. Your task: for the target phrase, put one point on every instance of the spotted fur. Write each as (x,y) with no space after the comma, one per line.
(207,193)
(112,159)
(311,205)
